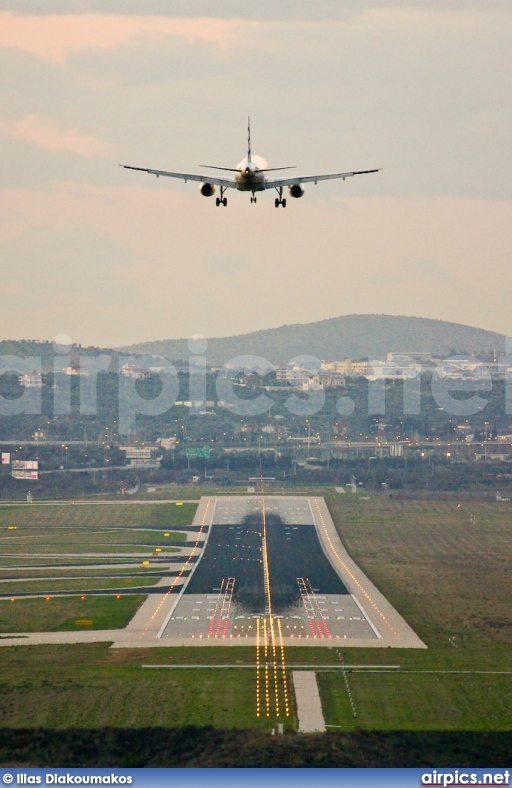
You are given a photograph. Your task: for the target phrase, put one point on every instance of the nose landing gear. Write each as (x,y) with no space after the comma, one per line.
(279,200)
(253,198)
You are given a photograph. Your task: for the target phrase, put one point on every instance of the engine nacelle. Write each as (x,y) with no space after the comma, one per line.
(296,190)
(207,189)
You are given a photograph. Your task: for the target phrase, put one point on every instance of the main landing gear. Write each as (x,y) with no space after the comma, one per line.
(279,200)
(221,200)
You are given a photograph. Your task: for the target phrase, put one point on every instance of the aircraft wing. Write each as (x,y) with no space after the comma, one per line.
(277,182)
(226,182)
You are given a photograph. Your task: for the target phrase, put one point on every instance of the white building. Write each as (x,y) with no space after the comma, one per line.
(135,372)
(354,369)
(385,370)
(77,370)
(32,380)
(294,374)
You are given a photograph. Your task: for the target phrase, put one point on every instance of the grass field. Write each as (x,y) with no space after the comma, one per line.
(86,584)
(89,687)
(53,676)
(90,515)
(68,545)
(445,568)
(60,614)
(135,569)
(416,701)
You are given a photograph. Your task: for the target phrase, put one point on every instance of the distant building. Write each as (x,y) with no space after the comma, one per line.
(311,384)
(379,370)
(135,372)
(293,374)
(420,356)
(358,369)
(462,368)
(76,369)
(167,443)
(32,380)
(354,369)
(330,380)
(338,367)
(142,456)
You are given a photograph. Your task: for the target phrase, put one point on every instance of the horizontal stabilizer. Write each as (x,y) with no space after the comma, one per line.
(226,169)
(237,169)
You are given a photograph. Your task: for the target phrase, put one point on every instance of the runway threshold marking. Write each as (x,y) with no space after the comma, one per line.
(224,599)
(212,624)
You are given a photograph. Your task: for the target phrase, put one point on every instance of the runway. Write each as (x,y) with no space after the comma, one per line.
(277,565)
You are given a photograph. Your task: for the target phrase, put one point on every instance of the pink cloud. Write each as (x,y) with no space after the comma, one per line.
(57,37)
(48,135)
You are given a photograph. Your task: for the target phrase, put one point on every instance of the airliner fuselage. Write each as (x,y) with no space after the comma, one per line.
(250,178)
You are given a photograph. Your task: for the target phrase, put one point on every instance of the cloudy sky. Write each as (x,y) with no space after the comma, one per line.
(108,256)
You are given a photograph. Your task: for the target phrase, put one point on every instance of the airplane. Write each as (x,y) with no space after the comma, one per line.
(250,176)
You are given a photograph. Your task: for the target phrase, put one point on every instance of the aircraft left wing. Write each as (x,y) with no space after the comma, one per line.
(277,182)
(226,182)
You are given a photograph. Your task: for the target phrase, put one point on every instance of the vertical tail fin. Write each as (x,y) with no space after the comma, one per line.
(248,139)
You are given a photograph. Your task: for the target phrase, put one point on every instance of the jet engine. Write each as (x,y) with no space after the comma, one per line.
(207,189)
(296,190)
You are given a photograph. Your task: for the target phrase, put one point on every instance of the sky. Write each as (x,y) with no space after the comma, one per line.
(112,257)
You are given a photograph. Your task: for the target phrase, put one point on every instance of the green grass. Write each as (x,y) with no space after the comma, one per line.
(70,550)
(89,687)
(445,567)
(60,614)
(85,515)
(390,701)
(114,536)
(51,585)
(84,571)
(48,562)
(417,701)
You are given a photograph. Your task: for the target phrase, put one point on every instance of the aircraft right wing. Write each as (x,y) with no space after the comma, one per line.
(270,184)
(226,182)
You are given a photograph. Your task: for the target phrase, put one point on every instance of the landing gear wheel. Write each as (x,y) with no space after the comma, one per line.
(276,203)
(283,203)
(225,201)
(217,201)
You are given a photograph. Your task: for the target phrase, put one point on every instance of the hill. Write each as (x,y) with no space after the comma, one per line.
(44,350)
(350,336)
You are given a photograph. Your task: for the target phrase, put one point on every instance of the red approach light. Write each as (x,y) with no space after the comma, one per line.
(118,596)
(12,600)
(48,598)
(82,597)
